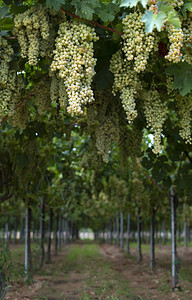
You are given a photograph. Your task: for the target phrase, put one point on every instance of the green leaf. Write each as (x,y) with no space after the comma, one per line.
(172,16)
(151,20)
(107,12)
(6,24)
(55,4)
(173,19)
(187,6)
(117,37)
(182,73)
(3,11)
(132,3)
(18,9)
(86,8)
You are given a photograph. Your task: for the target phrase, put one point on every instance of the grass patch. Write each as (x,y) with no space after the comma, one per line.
(88,251)
(186,273)
(17,261)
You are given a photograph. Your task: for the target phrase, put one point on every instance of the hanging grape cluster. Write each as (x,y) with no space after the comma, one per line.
(20,117)
(18,110)
(187,39)
(74,61)
(103,122)
(11,83)
(175,3)
(137,44)
(184,105)
(129,143)
(58,91)
(153,6)
(34,34)
(42,95)
(126,82)
(175,36)
(155,111)
(11,89)
(6,53)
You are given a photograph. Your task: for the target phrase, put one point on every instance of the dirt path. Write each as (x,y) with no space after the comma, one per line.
(108,274)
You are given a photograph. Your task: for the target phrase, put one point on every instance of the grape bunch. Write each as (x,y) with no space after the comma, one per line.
(137,44)
(103,122)
(175,36)
(11,88)
(126,82)
(175,3)
(42,95)
(74,63)
(34,34)
(6,54)
(7,77)
(155,111)
(58,91)
(187,39)
(184,105)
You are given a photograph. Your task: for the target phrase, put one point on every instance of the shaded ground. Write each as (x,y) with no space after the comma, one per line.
(101,271)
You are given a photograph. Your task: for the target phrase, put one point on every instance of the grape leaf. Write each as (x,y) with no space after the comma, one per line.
(3,10)
(187,6)
(107,12)
(182,73)
(86,8)
(132,3)
(55,4)
(6,24)
(172,16)
(151,20)
(173,19)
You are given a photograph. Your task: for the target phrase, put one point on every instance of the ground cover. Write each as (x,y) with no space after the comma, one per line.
(100,271)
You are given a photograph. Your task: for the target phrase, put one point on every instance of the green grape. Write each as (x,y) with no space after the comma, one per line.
(42,95)
(175,36)
(184,105)
(6,53)
(58,91)
(19,117)
(126,81)
(155,112)
(137,44)
(8,84)
(175,3)
(74,63)
(103,123)
(187,39)
(153,6)
(35,33)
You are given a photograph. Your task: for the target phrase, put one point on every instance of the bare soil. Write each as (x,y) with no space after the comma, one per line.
(111,275)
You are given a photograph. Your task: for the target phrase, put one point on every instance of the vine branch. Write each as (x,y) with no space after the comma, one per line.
(94,23)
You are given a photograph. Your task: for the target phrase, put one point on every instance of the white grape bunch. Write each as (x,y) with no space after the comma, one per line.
(155,111)
(176,37)
(34,33)
(137,44)
(74,63)
(126,82)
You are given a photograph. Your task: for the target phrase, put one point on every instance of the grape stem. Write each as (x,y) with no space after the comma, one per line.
(94,23)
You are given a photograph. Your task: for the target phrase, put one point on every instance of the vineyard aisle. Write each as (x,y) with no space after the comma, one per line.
(101,271)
